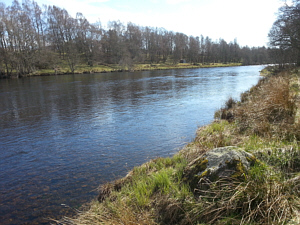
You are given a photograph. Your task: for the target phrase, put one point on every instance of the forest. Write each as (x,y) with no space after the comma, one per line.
(34,37)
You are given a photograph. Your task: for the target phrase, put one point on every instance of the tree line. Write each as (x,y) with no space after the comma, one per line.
(34,37)
(284,35)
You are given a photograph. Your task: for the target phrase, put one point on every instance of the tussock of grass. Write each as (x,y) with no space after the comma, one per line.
(264,122)
(217,134)
(268,110)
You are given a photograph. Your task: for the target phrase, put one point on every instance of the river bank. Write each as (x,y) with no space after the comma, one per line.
(96,128)
(265,122)
(63,69)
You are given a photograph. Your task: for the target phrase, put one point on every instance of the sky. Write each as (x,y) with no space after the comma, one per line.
(249,21)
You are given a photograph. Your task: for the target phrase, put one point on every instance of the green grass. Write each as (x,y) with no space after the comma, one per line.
(63,68)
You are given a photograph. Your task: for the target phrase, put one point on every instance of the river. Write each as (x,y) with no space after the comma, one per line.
(63,136)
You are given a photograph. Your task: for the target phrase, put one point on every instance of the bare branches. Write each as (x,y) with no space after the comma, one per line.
(285,33)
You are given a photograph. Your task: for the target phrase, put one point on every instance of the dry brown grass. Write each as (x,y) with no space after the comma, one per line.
(115,213)
(219,133)
(260,200)
(268,110)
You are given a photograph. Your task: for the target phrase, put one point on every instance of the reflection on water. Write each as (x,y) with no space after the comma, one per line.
(62,136)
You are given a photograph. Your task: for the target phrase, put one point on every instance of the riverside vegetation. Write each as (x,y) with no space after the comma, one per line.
(265,122)
(107,68)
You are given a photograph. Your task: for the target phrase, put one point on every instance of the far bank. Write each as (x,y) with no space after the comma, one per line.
(63,68)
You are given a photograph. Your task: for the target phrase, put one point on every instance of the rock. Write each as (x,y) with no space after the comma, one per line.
(224,162)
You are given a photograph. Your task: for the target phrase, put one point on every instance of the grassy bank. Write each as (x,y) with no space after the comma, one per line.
(62,68)
(265,122)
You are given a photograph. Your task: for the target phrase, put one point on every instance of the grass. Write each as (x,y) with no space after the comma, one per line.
(62,67)
(151,184)
(264,122)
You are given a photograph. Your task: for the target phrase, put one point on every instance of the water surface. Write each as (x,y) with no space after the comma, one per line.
(62,136)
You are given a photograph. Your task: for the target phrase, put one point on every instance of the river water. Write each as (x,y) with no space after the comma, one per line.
(63,136)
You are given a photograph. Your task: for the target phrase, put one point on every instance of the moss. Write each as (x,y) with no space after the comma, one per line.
(211,176)
(252,159)
(202,164)
(205,173)
(197,166)
(238,167)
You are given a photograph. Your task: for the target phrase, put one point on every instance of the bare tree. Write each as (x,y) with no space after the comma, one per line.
(33,38)
(285,32)
(194,50)
(180,47)
(57,21)
(234,52)
(134,42)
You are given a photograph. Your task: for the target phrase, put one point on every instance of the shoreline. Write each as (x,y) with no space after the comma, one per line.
(116,68)
(157,192)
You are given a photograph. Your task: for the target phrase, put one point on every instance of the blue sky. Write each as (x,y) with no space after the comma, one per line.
(247,20)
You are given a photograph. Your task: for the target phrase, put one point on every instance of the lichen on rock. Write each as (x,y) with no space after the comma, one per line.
(230,162)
